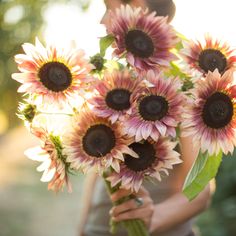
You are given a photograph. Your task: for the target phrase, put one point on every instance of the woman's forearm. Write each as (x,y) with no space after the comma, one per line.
(177,210)
(88,188)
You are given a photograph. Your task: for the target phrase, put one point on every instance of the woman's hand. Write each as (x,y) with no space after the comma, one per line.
(132,209)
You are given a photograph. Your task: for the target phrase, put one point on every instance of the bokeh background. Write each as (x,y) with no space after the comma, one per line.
(26,207)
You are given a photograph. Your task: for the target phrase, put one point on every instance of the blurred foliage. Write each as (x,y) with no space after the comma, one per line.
(220,218)
(20,21)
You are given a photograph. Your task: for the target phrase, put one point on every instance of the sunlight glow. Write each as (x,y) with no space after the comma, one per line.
(14,14)
(193,19)
(216,17)
(67,22)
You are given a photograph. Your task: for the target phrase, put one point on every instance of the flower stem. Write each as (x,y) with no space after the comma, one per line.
(134,227)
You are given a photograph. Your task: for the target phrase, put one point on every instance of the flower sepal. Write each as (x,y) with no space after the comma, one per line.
(26,111)
(98,62)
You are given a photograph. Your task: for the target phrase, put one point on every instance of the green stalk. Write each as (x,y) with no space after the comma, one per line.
(134,227)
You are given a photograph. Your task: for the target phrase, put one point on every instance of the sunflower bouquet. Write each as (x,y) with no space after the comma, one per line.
(122,117)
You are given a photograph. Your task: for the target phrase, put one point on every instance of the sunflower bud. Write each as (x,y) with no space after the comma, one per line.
(26,111)
(98,61)
(187,85)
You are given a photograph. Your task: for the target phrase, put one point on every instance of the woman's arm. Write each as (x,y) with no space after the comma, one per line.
(174,210)
(178,209)
(88,188)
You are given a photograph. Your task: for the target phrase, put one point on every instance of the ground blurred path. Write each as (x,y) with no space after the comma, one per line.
(27,208)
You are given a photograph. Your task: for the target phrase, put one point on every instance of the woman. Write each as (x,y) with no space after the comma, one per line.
(163,207)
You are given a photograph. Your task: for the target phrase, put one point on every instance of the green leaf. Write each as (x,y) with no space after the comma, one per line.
(105,42)
(179,46)
(182,38)
(203,170)
(174,70)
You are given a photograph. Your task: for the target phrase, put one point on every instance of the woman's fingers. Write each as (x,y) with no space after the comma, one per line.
(133,209)
(124,192)
(132,214)
(144,213)
(120,194)
(127,206)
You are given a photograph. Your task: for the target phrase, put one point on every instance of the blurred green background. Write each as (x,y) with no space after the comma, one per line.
(26,207)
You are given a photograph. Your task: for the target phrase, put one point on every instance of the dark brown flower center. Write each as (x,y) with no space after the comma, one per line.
(211,59)
(146,153)
(55,76)
(139,43)
(118,99)
(153,107)
(99,140)
(217,111)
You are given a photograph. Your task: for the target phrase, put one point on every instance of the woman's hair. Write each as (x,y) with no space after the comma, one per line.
(125,1)
(162,7)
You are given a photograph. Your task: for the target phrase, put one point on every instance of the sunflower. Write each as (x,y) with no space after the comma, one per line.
(210,118)
(199,58)
(115,91)
(157,111)
(154,158)
(53,161)
(95,142)
(143,37)
(55,74)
